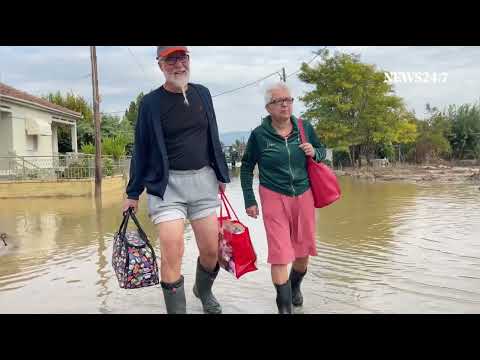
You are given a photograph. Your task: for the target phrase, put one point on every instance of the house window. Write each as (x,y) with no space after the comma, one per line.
(32,143)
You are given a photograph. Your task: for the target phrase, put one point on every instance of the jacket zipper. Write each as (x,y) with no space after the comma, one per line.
(289,167)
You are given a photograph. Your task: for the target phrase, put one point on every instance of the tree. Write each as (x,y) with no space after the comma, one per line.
(126,131)
(432,142)
(129,121)
(131,114)
(112,146)
(238,147)
(85,133)
(465,133)
(115,146)
(352,106)
(111,126)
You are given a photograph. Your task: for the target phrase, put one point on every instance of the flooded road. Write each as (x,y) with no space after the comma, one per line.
(384,248)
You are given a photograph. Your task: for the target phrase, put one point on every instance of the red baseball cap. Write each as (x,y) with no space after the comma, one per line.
(163,51)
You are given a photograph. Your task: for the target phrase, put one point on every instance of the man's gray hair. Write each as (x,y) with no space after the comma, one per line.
(271,88)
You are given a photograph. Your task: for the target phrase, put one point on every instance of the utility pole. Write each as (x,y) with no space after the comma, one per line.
(284,77)
(96,117)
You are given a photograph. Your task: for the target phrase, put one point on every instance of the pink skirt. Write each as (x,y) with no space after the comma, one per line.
(289,224)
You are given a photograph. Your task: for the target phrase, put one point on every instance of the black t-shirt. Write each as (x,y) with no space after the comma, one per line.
(185,129)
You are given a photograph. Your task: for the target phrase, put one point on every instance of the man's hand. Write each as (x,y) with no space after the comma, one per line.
(130,203)
(252,211)
(308,149)
(221,187)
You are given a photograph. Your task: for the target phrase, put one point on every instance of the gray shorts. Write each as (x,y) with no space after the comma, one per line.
(190,194)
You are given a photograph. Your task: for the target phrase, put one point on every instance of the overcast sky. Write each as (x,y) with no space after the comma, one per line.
(125,71)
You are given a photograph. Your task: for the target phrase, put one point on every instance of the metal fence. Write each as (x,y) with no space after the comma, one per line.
(61,166)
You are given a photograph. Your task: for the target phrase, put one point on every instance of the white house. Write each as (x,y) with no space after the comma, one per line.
(29,125)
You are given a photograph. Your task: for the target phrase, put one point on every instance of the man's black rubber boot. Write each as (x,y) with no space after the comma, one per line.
(203,288)
(174,295)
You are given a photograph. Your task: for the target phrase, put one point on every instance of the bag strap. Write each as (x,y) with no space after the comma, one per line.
(123,226)
(302,130)
(141,232)
(223,205)
(135,220)
(302,134)
(225,202)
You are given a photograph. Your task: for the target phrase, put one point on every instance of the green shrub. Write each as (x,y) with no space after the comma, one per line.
(107,167)
(77,170)
(88,149)
(114,146)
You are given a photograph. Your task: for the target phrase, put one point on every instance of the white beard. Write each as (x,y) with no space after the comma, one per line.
(180,81)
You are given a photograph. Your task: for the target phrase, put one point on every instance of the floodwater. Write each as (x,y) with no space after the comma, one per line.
(383,248)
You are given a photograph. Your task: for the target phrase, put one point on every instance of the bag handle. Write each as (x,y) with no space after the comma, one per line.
(225,202)
(123,228)
(302,134)
(121,235)
(221,208)
(140,230)
(302,131)
(142,233)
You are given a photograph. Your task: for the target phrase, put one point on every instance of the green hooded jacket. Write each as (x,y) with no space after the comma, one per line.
(281,163)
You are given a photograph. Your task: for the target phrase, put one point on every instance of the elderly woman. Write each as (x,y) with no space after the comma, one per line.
(285,195)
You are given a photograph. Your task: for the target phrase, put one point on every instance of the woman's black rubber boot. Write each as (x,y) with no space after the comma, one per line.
(284,298)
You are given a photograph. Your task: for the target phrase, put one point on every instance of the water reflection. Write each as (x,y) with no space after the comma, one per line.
(385,247)
(356,236)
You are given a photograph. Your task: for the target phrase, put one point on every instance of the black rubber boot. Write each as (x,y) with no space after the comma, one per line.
(174,295)
(203,289)
(284,298)
(296,280)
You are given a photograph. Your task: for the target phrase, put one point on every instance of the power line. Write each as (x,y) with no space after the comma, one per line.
(266,77)
(278,72)
(113,112)
(138,62)
(296,72)
(249,84)
(40,93)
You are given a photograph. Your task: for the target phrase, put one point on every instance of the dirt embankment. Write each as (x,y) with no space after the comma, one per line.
(416,173)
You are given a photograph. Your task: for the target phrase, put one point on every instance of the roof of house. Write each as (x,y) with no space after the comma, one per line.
(6,90)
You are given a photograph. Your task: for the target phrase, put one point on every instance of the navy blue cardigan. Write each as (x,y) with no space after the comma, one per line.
(149,166)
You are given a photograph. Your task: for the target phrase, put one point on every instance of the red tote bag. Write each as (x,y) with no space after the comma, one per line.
(323,181)
(235,250)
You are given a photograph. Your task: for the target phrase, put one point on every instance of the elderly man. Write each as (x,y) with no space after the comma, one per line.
(178,158)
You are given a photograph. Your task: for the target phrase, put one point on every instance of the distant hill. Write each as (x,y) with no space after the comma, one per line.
(229,138)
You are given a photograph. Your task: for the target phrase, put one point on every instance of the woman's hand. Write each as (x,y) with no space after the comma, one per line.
(308,149)
(252,211)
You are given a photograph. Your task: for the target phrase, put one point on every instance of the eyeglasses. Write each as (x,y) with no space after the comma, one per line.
(287,100)
(172,60)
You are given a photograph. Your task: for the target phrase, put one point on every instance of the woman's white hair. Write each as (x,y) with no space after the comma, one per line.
(276,86)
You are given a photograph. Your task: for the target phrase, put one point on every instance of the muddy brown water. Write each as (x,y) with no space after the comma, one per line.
(384,248)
